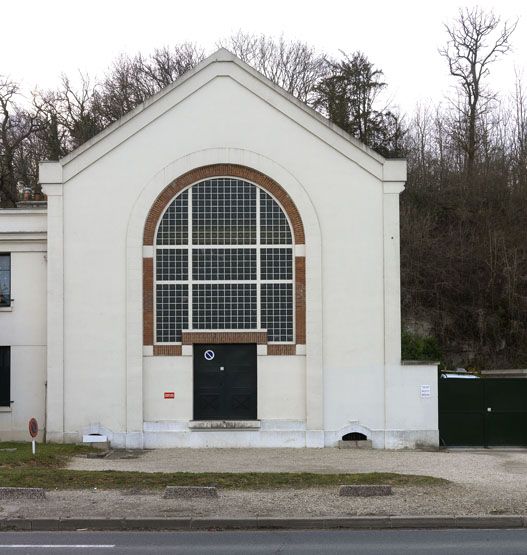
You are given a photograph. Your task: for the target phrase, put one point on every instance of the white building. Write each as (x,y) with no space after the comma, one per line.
(222,270)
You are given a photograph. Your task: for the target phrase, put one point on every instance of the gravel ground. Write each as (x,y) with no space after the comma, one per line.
(496,468)
(483,482)
(439,500)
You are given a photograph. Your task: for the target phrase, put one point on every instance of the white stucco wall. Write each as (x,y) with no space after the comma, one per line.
(23,324)
(222,114)
(281,388)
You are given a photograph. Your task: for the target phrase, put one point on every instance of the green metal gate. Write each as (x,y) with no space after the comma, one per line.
(488,412)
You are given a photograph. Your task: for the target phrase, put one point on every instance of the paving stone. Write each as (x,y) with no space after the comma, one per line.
(22,493)
(91,524)
(357,522)
(427,522)
(224,523)
(494,521)
(364,491)
(157,523)
(44,524)
(7,524)
(189,492)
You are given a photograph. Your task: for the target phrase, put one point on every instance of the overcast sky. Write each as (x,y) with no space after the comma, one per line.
(40,39)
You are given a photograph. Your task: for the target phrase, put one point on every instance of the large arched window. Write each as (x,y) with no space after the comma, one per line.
(224,261)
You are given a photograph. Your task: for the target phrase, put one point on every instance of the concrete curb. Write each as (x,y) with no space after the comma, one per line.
(266,523)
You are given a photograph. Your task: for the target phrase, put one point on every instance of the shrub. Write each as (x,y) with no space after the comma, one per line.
(418,347)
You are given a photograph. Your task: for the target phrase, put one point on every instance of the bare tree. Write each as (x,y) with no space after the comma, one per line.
(519,138)
(70,114)
(133,79)
(475,40)
(293,65)
(17,125)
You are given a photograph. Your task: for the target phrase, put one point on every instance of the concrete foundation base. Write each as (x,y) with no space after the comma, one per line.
(270,434)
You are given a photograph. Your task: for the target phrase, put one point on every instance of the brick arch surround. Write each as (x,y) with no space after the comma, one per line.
(162,201)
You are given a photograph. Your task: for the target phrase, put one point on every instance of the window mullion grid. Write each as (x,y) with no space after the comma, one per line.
(223,281)
(190,268)
(293,289)
(226,247)
(259,281)
(156,289)
(258,264)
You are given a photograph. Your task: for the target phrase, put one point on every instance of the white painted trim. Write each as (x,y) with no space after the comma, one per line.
(392,285)
(221,64)
(148,251)
(55,315)
(23,237)
(49,173)
(393,187)
(300,250)
(134,283)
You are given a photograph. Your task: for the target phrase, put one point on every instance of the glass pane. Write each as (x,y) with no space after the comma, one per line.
(277,311)
(171,312)
(171,264)
(224,306)
(274,227)
(223,264)
(5,279)
(224,212)
(173,228)
(277,264)
(5,262)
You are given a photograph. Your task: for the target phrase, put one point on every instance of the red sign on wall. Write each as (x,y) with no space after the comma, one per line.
(170,395)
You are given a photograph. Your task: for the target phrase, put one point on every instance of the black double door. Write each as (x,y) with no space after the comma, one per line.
(488,412)
(225,382)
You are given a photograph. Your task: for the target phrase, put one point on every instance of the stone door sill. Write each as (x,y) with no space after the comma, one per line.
(200,425)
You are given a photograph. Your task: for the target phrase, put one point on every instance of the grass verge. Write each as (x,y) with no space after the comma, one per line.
(19,468)
(49,455)
(110,479)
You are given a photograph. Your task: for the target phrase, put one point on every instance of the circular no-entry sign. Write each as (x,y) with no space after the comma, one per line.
(209,354)
(33,427)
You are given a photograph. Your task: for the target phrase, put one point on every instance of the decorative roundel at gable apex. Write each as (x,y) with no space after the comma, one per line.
(215,170)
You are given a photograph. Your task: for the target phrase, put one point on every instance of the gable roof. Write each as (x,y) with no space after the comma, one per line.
(156,105)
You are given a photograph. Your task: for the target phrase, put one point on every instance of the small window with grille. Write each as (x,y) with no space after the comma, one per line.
(5,376)
(224,261)
(5,279)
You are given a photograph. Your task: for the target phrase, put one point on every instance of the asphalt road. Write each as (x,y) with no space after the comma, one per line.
(466,542)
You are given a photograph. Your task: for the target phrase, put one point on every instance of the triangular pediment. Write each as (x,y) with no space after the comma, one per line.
(222,64)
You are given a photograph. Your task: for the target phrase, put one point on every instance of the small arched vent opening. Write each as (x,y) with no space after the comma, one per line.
(354,436)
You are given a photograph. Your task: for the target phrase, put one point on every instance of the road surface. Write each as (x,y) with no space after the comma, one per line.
(431,542)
